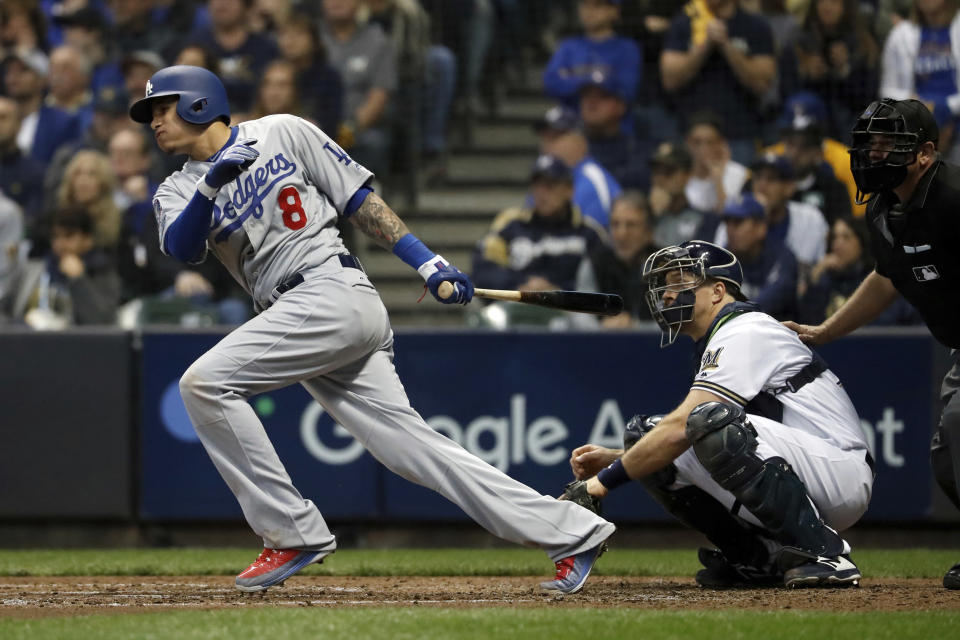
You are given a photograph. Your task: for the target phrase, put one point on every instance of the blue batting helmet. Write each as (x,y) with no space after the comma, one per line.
(201,96)
(694,261)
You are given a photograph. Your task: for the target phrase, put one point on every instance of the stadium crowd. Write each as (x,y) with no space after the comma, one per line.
(723,120)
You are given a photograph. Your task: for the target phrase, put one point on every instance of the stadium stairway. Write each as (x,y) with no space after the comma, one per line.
(486,172)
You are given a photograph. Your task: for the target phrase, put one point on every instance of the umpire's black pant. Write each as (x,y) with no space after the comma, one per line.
(945,447)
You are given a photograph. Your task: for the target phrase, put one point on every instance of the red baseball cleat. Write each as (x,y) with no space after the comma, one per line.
(273,566)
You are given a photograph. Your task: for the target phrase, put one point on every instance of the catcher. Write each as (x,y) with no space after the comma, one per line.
(765,456)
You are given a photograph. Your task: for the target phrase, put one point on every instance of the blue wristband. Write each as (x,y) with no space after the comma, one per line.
(614,475)
(356,200)
(411,250)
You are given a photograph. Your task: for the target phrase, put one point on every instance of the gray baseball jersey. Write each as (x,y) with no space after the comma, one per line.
(331,334)
(278,218)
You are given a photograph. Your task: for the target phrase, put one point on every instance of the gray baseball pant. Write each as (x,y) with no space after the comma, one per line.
(332,334)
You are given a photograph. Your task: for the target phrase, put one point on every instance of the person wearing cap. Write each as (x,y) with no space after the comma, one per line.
(21,175)
(717,55)
(676,221)
(594,188)
(913,197)
(805,112)
(87,30)
(603,107)
(802,145)
(799,226)
(769,268)
(598,49)
(43,128)
(539,247)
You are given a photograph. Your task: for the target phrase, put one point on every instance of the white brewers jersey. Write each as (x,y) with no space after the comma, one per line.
(753,353)
(277,218)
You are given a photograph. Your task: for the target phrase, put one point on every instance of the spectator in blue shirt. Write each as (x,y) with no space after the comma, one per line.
(603,104)
(21,175)
(594,188)
(599,49)
(717,56)
(769,269)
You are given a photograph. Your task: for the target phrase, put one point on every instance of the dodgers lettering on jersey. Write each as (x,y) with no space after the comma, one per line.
(753,353)
(279,217)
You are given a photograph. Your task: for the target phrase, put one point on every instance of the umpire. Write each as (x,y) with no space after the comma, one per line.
(914,199)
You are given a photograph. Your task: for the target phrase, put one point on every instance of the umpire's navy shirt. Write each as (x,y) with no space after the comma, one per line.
(920,252)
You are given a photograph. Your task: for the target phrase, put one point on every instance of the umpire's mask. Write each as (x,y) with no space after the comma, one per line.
(885,141)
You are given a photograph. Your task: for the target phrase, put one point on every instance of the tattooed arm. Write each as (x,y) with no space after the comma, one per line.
(378,221)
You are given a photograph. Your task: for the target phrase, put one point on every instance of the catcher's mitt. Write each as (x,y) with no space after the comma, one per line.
(576,492)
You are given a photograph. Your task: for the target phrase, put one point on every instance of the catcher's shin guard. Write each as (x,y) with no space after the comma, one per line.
(694,507)
(726,443)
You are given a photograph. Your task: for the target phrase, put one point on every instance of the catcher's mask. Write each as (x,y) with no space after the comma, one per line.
(680,270)
(886,137)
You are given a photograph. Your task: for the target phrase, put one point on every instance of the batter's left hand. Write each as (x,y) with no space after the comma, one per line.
(462,286)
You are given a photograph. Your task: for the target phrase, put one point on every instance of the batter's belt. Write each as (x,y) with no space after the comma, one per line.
(346,260)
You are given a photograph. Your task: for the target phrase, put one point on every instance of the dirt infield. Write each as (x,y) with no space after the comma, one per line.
(43,597)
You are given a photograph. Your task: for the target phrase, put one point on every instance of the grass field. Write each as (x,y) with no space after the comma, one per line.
(633,594)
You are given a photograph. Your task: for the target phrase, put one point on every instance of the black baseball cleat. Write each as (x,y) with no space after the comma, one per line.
(721,573)
(837,571)
(951,580)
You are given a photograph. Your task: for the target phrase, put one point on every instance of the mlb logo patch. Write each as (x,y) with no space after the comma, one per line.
(926,272)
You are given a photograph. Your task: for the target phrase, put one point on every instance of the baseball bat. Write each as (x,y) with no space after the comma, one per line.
(602,304)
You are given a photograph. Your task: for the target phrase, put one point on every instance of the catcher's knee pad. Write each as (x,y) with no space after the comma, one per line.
(637,427)
(724,442)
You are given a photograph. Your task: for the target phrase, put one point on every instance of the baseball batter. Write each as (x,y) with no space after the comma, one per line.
(264,197)
(765,455)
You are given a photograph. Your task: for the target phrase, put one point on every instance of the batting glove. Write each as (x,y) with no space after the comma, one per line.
(232,163)
(446,272)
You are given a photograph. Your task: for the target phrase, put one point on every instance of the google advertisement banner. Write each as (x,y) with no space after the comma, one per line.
(520,401)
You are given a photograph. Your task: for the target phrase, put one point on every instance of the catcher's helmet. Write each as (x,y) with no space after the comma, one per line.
(201,96)
(696,258)
(886,137)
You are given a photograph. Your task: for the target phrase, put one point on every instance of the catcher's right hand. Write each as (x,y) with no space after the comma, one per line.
(576,492)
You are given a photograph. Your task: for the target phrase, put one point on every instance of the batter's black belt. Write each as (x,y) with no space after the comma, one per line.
(346,260)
